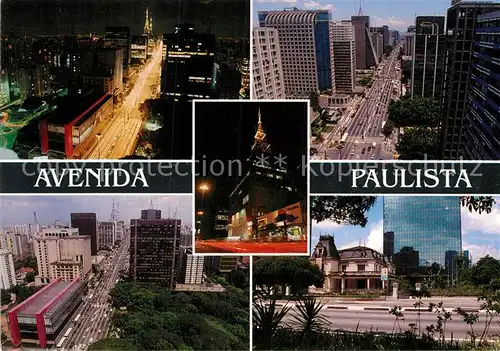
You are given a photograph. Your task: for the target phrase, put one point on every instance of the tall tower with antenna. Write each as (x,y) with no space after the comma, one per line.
(147,23)
(114,212)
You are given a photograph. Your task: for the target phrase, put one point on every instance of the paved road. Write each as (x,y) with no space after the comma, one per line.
(249,248)
(364,127)
(120,138)
(95,311)
(382,321)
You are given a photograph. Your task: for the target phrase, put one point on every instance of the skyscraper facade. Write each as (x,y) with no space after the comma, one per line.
(154,250)
(86,223)
(365,51)
(428,54)
(482,118)
(267,69)
(187,65)
(430,225)
(304,39)
(7,271)
(344,55)
(461,22)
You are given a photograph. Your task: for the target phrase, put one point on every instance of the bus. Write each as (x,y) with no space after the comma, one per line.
(383,124)
(67,332)
(344,139)
(77,317)
(61,342)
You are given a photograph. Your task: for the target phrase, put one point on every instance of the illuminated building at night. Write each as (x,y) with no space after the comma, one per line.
(187,65)
(40,318)
(266,187)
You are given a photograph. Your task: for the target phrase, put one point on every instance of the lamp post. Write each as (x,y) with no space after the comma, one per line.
(98,135)
(203,187)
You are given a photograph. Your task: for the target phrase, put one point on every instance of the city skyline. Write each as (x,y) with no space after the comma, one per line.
(478,234)
(403,13)
(19,210)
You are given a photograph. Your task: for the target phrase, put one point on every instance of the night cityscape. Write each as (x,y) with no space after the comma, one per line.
(88,79)
(81,270)
(380,91)
(251,193)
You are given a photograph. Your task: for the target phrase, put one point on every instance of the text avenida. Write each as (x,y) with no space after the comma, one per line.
(86,178)
(402,178)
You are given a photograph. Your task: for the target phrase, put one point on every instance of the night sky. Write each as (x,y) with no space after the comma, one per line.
(65,17)
(225,131)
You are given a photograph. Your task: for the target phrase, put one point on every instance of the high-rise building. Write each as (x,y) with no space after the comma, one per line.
(461,35)
(388,244)
(263,188)
(366,56)
(481,140)
(406,260)
(221,264)
(21,245)
(378,44)
(268,82)
(107,234)
(409,44)
(86,223)
(154,250)
(468,255)
(150,213)
(119,37)
(344,55)
(191,267)
(430,225)
(305,48)
(228,82)
(7,271)
(428,56)
(62,253)
(187,65)
(120,230)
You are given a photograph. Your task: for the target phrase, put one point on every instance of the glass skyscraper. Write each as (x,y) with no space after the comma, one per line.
(430,225)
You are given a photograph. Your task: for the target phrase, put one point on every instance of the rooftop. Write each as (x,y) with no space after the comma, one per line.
(73,108)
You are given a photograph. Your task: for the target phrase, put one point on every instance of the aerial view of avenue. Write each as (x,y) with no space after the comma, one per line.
(391,273)
(251,193)
(108,79)
(85,273)
(401,80)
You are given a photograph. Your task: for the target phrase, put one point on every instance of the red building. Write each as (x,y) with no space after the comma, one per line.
(41,317)
(72,121)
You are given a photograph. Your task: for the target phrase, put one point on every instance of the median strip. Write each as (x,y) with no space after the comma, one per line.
(337,307)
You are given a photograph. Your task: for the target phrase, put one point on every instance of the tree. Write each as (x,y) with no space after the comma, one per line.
(388,128)
(238,278)
(286,218)
(112,344)
(296,272)
(478,204)
(485,270)
(417,143)
(406,71)
(416,112)
(5,297)
(30,277)
(342,209)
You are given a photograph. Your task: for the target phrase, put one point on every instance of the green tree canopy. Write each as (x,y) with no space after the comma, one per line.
(485,270)
(297,272)
(342,209)
(417,143)
(416,112)
(388,128)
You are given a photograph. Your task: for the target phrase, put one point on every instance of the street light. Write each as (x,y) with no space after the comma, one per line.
(203,187)
(98,135)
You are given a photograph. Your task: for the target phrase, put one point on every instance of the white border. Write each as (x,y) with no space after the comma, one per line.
(306,168)
(250,288)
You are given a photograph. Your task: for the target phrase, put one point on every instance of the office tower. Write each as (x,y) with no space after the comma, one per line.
(221,264)
(151,213)
(103,69)
(468,255)
(86,223)
(21,245)
(428,55)
(344,55)
(7,271)
(450,263)
(188,60)
(119,37)
(378,44)
(107,235)
(268,82)
(409,44)
(191,267)
(389,243)
(365,51)
(221,224)
(154,250)
(481,140)
(460,28)
(430,225)
(263,189)
(304,43)
(62,253)
(120,230)
(228,82)
(386,34)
